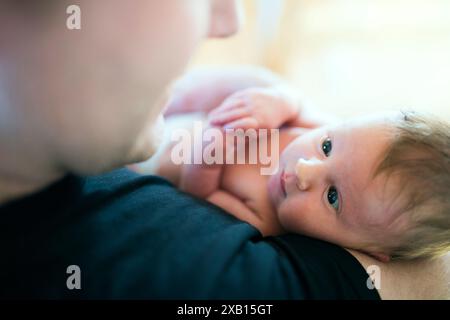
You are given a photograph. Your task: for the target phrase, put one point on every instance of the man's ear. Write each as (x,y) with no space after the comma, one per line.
(383,257)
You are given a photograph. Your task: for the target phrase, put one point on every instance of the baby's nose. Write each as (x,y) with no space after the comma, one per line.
(307,171)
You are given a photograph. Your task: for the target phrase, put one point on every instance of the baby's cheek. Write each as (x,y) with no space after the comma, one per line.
(292,214)
(304,217)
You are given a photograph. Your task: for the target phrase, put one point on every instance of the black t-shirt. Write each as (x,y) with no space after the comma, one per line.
(137,236)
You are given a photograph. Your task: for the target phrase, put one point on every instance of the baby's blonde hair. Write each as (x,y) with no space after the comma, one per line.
(420,156)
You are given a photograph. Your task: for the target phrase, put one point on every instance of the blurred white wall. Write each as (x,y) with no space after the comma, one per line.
(349,56)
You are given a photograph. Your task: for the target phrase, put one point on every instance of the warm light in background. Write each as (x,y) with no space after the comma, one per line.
(349,56)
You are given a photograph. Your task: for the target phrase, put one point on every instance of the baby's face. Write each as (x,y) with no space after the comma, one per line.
(326,188)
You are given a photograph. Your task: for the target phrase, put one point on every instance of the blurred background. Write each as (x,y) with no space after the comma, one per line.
(348,57)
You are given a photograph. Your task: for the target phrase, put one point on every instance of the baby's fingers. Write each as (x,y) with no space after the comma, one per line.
(243,123)
(227,116)
(228,104)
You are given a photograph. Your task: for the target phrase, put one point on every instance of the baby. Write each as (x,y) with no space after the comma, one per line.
(379,184)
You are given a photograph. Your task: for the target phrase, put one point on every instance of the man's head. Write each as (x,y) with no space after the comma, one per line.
(89,99)
(349,184)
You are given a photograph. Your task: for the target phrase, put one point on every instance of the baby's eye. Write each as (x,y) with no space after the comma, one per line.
(333,198)
(327,146)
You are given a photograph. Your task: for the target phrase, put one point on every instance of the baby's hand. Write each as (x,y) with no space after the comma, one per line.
(257,108)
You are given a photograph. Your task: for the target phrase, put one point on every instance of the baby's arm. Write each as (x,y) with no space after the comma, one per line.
(203,89)
(202,179)
(267,108)
(217,89)
(241,210)
(257,108)
(206,89)
(205,181)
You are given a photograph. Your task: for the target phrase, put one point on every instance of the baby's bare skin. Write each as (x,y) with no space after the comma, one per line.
(241,189)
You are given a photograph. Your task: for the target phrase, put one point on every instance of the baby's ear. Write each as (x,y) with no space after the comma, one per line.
(383,257)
